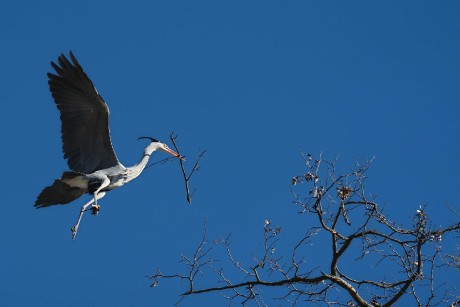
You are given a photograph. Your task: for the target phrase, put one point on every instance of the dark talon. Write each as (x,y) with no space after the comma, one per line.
(95,209)
(74,231)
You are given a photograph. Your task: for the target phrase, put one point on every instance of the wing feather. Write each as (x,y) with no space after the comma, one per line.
(84,116)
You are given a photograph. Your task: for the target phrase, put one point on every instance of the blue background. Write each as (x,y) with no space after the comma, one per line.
(253,83)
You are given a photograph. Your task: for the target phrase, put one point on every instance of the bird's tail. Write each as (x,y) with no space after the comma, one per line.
(62,191)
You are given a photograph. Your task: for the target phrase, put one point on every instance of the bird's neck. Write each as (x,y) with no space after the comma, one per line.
(137,169)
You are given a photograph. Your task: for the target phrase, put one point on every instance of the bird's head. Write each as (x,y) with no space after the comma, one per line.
(157,145)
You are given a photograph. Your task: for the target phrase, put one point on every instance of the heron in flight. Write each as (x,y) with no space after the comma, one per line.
(86,143)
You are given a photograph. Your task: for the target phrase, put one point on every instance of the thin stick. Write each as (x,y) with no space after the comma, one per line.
(163,161)
(195,167)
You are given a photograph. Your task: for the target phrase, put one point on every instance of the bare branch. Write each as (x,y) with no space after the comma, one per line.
(196,166)
(339,210)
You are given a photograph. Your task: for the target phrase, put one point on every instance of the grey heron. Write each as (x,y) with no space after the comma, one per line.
(86,143)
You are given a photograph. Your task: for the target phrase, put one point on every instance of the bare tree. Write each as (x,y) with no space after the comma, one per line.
(402,260)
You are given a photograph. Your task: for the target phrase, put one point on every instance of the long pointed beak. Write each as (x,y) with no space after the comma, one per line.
(172,152)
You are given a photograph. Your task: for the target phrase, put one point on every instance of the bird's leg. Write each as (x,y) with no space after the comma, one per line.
(82,210)
(94,206)
(98,194)
(95,209)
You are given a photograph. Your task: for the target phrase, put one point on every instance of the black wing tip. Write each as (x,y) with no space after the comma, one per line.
(71,55)
(65,64)
(74,59)
(56,68)
(38,203)
(63,56)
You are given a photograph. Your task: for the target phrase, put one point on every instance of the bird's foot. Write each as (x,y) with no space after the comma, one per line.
(74,230)
(95,209)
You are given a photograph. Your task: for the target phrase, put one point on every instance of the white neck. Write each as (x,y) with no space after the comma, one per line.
(137,169)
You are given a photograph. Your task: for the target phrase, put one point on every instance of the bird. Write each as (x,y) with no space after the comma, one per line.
(86,143)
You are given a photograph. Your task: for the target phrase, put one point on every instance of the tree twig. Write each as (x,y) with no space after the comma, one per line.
(196,166)
(381,241)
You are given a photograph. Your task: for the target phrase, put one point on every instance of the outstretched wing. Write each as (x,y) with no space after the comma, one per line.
(85,118)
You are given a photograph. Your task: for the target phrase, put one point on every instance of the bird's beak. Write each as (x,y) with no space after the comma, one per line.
(172,152)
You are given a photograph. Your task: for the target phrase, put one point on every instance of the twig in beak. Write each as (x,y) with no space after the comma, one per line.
(181,160)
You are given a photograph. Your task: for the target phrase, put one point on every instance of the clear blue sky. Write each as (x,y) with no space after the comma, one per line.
(252,83)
